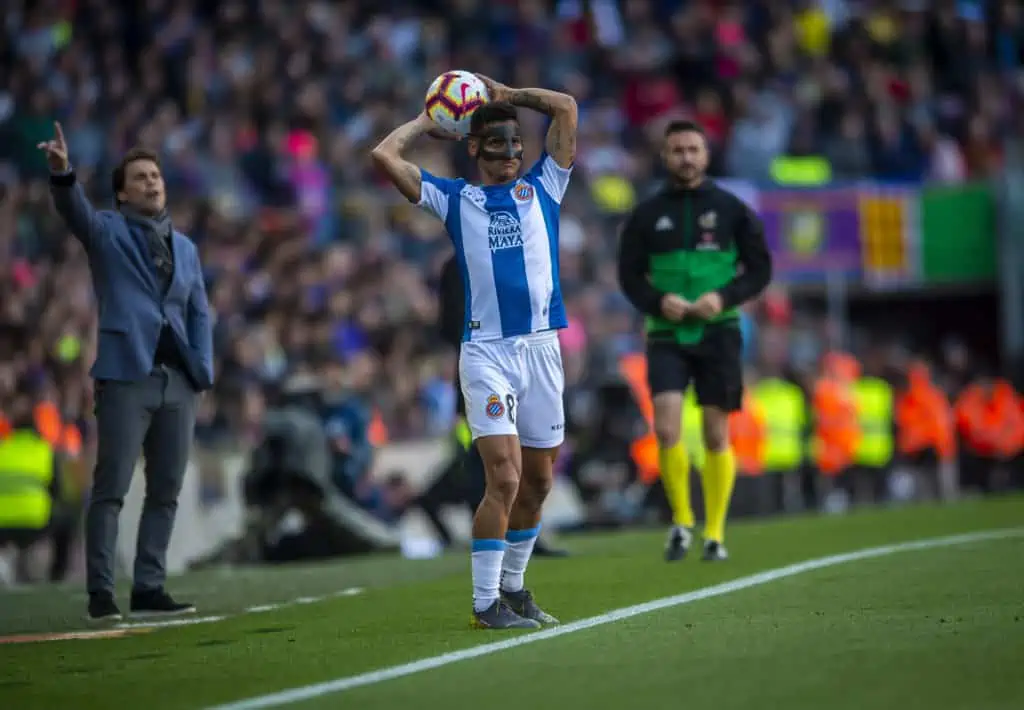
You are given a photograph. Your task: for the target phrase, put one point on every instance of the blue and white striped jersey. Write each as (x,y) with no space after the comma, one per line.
(506,245)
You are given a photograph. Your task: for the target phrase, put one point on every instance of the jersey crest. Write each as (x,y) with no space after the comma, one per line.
(523,192)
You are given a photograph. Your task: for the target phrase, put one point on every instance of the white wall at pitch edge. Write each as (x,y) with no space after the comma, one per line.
(202,528)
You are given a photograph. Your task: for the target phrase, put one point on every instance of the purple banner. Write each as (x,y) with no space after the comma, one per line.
(812,233)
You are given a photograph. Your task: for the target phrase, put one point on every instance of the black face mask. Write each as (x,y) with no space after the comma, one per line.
(508,135)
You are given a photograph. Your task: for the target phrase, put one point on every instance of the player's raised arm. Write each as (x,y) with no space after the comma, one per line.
(561,139)
(406,176)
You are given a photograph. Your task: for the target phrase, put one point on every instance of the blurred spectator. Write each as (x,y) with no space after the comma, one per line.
(263,114)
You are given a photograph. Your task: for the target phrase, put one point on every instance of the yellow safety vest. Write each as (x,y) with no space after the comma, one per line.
(786,416)
(693,429)
(463,435)
(874,400)
(26,472)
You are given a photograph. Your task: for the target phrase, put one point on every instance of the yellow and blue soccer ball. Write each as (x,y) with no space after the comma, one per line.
(452,98)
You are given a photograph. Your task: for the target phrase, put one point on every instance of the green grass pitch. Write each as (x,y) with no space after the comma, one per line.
(932,627)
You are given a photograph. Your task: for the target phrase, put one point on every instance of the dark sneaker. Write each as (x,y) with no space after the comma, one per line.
(157,602)
(679,540)
(715,552)
(522,603)
(499,616)
(103,608)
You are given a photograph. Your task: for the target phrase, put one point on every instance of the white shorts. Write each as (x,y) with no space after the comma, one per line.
(514,387)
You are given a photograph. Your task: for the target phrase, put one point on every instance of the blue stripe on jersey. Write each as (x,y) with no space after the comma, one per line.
(453,224)
(508,262)
(550,209)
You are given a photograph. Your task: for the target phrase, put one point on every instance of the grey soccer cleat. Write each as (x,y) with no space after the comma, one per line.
(522,603)
(499,616)
(679,540)
(715,551)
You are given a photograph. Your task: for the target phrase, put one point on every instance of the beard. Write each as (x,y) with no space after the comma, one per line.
(687,173)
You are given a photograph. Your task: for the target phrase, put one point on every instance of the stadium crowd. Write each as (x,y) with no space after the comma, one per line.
(263,112)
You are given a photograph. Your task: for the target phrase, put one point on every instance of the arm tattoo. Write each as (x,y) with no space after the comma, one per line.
(560,138)
(402,139)
(404,175)
(529,100)
(561,142)
(411,173)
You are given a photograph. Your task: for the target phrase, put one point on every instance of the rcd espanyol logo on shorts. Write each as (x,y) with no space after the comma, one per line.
(495,409)
(504,232)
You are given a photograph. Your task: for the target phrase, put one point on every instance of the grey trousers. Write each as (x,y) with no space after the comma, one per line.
(154,416)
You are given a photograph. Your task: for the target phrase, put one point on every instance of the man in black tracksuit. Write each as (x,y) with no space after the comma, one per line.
(689,257)
(462,480)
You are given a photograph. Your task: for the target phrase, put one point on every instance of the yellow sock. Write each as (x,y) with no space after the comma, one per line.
(718,477)
(675,476)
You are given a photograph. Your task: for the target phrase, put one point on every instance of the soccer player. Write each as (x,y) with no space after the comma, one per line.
(689,256)
(505,233)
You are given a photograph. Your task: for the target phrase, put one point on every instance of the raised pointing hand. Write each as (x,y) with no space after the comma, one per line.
(56,150)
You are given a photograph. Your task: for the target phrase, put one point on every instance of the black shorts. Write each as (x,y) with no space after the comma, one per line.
(714,366)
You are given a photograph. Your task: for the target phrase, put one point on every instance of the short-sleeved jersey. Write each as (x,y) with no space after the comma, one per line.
(506,245)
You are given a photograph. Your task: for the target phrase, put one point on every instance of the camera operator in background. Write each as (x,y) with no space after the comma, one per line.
(295,502)
(346,412)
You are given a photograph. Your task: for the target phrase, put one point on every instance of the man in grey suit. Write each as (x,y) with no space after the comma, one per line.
(154,357)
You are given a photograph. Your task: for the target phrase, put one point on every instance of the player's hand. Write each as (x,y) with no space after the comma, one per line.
(495,91)
(56,150)
(708,306)
(674,307)
(435,131)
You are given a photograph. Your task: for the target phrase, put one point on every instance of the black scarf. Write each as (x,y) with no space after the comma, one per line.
(158,233)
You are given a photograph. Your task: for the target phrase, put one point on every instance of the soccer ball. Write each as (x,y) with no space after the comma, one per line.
(452,98)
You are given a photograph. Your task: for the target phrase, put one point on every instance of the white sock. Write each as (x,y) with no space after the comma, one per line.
(517,556)
(486,565)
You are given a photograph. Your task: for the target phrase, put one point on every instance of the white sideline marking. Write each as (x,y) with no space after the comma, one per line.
(168,623)
(340,685)
(259,609)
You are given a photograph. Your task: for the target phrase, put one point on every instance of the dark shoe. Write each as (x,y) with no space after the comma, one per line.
(522,603)
(157,602)
(103,608)
(715,552)
(499,616)
(679,541)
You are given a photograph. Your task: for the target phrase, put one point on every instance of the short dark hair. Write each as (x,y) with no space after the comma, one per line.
(134,155)
(682,125)
(495,112)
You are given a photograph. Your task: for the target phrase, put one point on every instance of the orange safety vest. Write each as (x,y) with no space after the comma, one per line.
(378,433)
(71,441)
(48,422)
(1009,420)
(644,450)
(748,434)
(971,414)
(65,438)
(836,429)
(924,418)
(990,421)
